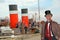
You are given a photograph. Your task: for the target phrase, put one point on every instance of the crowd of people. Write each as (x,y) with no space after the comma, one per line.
(32,28)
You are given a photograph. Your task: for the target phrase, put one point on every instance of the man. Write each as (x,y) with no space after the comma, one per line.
(50,29)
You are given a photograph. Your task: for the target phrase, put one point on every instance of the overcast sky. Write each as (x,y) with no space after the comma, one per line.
(32,5)
(52,5)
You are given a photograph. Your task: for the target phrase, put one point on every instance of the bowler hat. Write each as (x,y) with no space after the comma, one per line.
(48,12)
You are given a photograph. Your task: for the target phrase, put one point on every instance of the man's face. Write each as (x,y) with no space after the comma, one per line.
(48,17)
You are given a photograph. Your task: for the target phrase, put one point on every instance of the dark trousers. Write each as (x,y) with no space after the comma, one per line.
(26,29)
(53,38)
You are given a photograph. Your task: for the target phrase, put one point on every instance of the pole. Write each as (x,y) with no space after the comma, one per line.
(39,9)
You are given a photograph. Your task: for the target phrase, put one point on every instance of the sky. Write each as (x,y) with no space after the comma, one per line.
(32,6)
(52,5)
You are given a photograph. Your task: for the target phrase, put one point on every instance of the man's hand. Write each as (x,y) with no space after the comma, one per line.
(59,39)
(42,38)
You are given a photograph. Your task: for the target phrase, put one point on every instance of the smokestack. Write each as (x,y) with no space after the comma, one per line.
(13,16)
(25,19)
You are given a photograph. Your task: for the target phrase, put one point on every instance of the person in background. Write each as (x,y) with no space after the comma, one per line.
(26,29)
(50,28)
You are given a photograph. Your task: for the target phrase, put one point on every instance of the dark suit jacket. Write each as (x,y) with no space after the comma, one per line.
(55,29)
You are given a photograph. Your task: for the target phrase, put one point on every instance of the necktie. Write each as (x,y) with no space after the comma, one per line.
(47,31)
